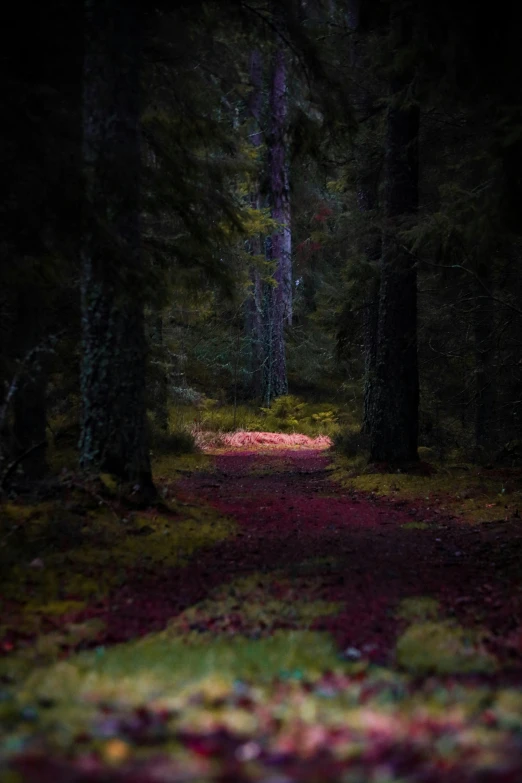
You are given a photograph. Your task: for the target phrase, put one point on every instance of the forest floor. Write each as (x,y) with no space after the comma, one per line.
(274,622)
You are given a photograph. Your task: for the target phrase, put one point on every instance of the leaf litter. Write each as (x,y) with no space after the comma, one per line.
(273,626)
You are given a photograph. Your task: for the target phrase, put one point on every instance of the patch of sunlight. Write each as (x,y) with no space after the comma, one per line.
(443,647)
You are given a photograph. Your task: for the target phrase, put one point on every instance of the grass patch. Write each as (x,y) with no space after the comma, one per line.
(174,672)
(418,609)
(256,606)
(57,556)
(287,414)
(443,647)
(475,493)
(433,645)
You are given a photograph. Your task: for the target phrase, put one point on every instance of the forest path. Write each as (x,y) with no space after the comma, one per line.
(226,674)
(365,554)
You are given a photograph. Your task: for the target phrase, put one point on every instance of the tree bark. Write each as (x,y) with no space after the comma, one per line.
(366,184)
(254,304)
(277,299)
(484,327)
(29,402)
(394,418)
(113,437)
(161,406)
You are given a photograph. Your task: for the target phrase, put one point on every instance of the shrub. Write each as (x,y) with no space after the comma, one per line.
(176,442)
(351,443)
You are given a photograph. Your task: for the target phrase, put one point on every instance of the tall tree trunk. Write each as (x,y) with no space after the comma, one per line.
(254,304)
(281,246)
(370,325)
(394,418)
(277,299)
(113,437)
(366,184)
(161,397)
(484,327)
(29,403)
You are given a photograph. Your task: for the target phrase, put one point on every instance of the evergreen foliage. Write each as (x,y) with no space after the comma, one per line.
(208,225)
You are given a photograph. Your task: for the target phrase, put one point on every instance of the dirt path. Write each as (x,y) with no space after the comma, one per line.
(365,553)
(226,675)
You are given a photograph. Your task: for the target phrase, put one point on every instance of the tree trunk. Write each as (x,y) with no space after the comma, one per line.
(113,437)
(394,418)
(277,299)
(29,402)
(275,383)
(484,326)
(366,184)
(370,330)
(161,400)
(281,247)
(254,304)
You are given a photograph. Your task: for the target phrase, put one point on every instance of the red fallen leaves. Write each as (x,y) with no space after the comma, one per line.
(404,746)
(308,754)
(288,518)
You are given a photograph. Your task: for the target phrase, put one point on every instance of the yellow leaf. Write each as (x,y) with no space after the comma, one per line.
(115,751)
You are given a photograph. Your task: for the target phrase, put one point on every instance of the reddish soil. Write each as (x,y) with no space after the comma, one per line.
(339,546)
(289,511)
(293,512)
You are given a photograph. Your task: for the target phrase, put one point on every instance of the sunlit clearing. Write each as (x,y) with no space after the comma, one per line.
(253,440)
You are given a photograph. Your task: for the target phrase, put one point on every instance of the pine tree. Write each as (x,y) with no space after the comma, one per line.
(394,416)
(114,437)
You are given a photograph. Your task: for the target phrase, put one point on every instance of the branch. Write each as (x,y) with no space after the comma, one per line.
(14,464)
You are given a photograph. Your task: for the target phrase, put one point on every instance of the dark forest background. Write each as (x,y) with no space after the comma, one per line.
(218,214)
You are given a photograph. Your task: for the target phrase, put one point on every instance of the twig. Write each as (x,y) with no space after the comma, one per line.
(14,464)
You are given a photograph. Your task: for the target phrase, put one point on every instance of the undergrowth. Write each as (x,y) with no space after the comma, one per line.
(476,493)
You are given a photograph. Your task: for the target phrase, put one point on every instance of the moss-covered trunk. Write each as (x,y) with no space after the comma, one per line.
(254,304)
(277,299)
(29,402)
(113,435)
(485,375)
(367,179)
(395,403)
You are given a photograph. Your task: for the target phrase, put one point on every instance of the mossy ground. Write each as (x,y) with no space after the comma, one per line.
(432,644)
(475,493)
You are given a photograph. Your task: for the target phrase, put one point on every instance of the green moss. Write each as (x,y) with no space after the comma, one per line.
(164,669)
(20,512)
(56,608)
(418,609)
(57,558)
(255,605)
(415,526)
(468,491)
(443,647)
(288,413)
(152,540)
(175,466)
